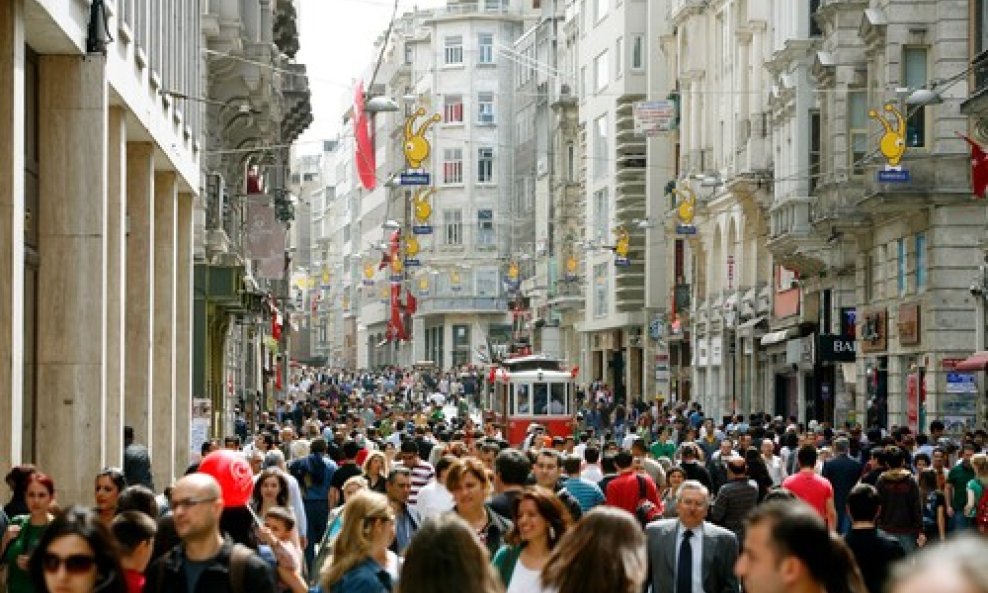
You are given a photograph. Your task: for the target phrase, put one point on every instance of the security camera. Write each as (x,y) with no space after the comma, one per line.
(976,289)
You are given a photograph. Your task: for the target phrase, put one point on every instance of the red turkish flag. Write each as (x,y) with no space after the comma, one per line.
(979,168)
(364,156)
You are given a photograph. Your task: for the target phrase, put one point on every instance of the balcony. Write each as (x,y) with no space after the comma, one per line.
(680,10)
(792,240)
(935,179)
(298,102)
(467,304)
(629,200)
(567,296)
(977,104)
(286,28)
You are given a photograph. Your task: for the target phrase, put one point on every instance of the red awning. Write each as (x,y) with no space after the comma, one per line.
(976,362)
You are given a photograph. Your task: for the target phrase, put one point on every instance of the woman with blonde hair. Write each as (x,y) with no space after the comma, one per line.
(976,489)
(446,557)
(362,561)
(604,532)
(376,471)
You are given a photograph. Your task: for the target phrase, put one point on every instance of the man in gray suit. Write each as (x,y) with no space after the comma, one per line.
(689,554)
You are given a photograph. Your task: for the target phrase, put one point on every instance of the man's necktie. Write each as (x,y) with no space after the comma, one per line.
(684,571)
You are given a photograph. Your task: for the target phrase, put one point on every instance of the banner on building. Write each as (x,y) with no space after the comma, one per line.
(654,117)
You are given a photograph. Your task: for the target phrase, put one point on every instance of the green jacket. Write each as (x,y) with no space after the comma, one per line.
(504,562)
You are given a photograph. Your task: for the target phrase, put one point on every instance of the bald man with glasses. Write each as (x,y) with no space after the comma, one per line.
(205,561)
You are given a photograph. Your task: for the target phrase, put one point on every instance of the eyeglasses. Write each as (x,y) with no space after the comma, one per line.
(188,503)
(74,564)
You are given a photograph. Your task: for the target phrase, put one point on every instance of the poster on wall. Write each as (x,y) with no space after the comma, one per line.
(199,429)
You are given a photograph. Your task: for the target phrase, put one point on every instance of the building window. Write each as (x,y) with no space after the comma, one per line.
(453,55)
(900,262)
(570,162)
(600,224)
(583,81)
(600,290)
(485,227)
(601,73)
(453,165)
(857,133)
(980,36)
(619,57)
(409,53)
(915,75)
(453,227)
(600,147)
(869,277)
(814,156)
(485,47)
(486,282)
(920,247)
(814,28)
(599,9)
(638,52)
(485,108)
(453,109)
(485,165)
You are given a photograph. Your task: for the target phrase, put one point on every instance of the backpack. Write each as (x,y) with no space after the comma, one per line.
(981,513)
(645,510)
(300,470)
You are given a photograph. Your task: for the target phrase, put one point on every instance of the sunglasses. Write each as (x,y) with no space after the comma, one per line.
(74,564)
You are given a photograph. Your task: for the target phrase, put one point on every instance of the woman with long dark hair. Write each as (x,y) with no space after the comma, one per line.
(109,484)
(540,520)
(77,554)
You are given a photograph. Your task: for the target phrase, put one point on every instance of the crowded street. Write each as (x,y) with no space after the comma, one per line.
(494,296)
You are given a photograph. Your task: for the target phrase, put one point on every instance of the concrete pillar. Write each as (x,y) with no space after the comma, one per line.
(116,284)
(73,111)
(139,298)
(163,328)
(11,231)
(183,329)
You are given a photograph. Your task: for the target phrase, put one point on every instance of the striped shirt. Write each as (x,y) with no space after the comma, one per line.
(585,492)
(422,474)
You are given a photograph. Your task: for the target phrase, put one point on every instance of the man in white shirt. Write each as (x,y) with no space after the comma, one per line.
(434,499)
(592,470)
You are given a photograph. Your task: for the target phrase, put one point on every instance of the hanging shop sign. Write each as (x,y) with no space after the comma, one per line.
(874,331)
(417,148)
(908,324)
(892,144)
(831,348)
(685,211)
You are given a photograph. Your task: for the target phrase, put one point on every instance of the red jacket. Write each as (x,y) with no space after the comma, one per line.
(623,491)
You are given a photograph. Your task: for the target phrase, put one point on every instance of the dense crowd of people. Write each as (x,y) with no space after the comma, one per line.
(391,482)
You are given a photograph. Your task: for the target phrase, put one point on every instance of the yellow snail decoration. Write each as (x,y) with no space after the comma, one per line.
(893,142)
(368,270)
(423,284)
(622,246)
(513,270)
(416,146)
(686,209)
(411,247)
(396,266)
(571,265)
(420,203)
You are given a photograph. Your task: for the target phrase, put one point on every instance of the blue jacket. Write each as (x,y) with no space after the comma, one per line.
(366,577)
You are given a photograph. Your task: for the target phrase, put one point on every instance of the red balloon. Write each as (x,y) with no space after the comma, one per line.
(233,473)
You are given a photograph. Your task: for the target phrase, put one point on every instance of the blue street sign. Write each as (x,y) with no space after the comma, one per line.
(685,229)
(414,178)
(422,229)
(893,176)
(412,262)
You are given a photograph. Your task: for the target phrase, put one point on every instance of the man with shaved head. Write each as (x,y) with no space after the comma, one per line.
(205,561)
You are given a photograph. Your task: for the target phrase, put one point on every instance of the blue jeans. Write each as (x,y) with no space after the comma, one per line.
(959,522)
(907,540)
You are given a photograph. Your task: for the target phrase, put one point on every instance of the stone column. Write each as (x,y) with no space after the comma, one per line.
(115,284)
(163,328)
(139,297)
(183,329)
(73,104)
(11,230)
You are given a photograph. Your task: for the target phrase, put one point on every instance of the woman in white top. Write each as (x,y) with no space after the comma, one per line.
(776,469)
(540,519)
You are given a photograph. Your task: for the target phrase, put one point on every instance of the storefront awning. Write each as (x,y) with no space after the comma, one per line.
(777,336)
(976,362)
(751,326)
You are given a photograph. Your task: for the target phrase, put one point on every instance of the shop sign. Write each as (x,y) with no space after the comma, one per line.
(874,332)
(837,348)
(909,325)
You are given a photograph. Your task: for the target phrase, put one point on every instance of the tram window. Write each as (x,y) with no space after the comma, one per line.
(511,398)
(557,403)
(524,401)
(541,398)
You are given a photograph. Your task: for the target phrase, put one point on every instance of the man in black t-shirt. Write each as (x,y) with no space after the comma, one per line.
(347,469)
(874,549)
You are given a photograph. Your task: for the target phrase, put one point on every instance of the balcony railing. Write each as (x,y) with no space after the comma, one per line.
(462,304)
